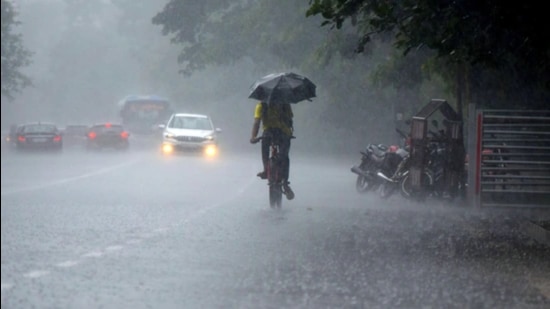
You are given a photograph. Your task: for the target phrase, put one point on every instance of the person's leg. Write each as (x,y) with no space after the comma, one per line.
(266,141)
(284,150)
(284,153)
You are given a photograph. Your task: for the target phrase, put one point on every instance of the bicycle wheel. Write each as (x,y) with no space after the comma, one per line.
(406,186)
(275,195)
(275,186)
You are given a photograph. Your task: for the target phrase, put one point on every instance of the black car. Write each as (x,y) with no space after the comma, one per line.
(38,136)
(107,135)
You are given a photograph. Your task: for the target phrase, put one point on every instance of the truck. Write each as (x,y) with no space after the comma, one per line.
(141,114)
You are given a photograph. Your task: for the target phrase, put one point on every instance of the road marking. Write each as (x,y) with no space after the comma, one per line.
(201,211)
(67,264)
(70,179)
(114,248)
(98,254)
(6,286)
(147,235)
(94,254)
(36,273)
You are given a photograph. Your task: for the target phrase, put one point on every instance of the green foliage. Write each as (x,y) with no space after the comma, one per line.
(218,33)
(495,39)
(14,55)
(275,35)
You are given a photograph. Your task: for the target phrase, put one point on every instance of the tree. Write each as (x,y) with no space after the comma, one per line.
(276,35)
(485,38)
(14,55)
(270,33)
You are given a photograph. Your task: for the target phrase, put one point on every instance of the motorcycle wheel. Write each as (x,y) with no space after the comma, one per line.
(363,184)
(386,190)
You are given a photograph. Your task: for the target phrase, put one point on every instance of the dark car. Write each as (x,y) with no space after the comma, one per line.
(107,135)
(38,136)
(75,135)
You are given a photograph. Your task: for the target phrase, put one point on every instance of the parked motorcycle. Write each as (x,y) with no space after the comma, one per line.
(395,169)
(395,172)
(434,179)
(372,159)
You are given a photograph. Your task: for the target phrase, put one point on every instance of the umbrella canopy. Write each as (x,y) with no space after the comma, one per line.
(283,88)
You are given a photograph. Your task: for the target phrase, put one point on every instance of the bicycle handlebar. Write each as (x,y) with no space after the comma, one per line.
(259,138)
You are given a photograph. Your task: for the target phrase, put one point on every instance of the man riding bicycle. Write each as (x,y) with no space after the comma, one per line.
(276,120)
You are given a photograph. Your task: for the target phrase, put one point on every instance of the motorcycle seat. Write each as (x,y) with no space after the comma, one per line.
(377,159)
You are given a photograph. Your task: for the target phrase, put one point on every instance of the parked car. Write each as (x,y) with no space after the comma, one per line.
(38,136)
(75,135)
(107,135)
(190,133)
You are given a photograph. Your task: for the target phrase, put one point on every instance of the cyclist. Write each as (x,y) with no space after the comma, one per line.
(276,120)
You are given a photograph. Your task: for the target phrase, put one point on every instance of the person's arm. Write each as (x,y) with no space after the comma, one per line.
(256,124)
(255,130)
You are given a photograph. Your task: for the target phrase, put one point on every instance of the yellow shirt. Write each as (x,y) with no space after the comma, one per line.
(274,117)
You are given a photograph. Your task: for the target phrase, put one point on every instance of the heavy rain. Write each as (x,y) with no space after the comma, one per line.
(132,173)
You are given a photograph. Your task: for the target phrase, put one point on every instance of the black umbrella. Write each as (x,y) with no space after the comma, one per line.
(282,88)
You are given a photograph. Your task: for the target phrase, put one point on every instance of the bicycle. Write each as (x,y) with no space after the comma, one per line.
(275,179)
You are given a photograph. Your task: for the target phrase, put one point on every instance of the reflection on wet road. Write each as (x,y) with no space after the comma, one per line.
(138,230)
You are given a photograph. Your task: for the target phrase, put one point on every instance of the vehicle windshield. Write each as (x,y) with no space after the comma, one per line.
(107,129)
(38,128)
(190,122)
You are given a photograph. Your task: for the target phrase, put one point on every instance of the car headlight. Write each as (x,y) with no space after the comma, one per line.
(211,151)
(209,138)
(169,135)
(167,148)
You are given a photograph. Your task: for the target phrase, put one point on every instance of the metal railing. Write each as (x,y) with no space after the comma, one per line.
(511,152)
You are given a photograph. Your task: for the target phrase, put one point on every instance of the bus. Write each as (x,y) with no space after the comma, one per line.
(142,114)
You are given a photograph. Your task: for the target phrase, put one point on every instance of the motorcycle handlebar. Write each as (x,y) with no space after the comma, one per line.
(401,133)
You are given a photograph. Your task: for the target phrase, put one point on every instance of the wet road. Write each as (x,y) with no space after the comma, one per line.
(138,230)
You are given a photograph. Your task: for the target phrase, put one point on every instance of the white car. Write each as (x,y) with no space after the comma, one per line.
(190,133)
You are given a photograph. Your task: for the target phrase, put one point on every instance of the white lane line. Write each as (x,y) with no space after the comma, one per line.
(70,179)
(93,254)
(6,286)
(67,264)
(36,273)
(97,254)
(161,230)
(114,248)
(147,235)
(206,209)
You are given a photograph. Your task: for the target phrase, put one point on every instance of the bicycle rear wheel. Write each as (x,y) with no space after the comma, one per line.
(275,195)
(275,186)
